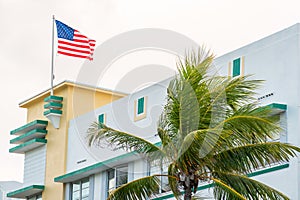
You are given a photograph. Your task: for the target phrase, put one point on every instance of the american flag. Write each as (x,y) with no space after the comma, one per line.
(72,43)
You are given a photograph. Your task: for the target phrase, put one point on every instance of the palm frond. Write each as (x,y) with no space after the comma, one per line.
(195,65)
(241,90)
(249,188)
(182,108)
(138,189)
(227,94)
(173,172)
(224,191)
(251,123)
(121,140)
(199,145)
(245,159)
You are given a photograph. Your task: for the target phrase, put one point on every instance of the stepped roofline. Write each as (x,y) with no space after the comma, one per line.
(68,83)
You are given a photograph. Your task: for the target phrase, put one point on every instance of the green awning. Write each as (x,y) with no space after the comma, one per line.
(37,124)
(26,191)
(27,146)
(36,133)
(53,99)
(277,108)
(96,168)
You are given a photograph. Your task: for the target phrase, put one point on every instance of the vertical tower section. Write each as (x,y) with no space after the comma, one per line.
(44,139)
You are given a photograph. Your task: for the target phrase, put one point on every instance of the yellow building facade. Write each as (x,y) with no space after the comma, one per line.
(44,112)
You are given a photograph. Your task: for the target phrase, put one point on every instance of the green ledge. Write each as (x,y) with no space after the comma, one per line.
(37,124)
(35,133)
(203,187)
(280,106)
(92,169)
(27,146)
(53,105)
(52,111)
(26,192)
(268,170)
(96,168)
(277,108)
(53,99)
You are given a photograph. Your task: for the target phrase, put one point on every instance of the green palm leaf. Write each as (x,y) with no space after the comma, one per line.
(245,159)
(249,188)
(138,189)
(173,183)
(122,140)
(224,191)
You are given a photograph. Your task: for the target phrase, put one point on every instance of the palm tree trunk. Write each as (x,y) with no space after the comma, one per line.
(188,189)
(188,193)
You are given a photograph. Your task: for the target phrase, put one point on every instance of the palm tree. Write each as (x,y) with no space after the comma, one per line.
(211,130)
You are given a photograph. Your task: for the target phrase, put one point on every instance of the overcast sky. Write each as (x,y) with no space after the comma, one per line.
(25,42)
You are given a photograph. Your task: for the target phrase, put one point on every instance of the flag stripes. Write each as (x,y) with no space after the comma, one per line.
(72,43)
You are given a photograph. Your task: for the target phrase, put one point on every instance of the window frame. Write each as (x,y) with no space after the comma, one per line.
(236,67)
(137,114)
(104,118)
(35,197)
(232,67)
(115,178)
(160,167)
(81,182)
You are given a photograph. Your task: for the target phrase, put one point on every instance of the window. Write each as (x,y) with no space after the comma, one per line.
(282,123)
(140,108)
(236,67)
(35,197)
(101,118)
(141,103)
(116,177)
(81,189)
(279,113)
(160,167)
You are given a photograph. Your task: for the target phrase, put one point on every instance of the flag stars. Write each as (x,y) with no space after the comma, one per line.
(64,31)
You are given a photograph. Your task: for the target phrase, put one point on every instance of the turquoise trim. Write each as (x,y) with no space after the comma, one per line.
(27,191)
(268,170)
(53,105)
(62,178)
(141,105)
(275,108)
(53,99)
(203,187)
(101,118)
(18,149)
(279,106)
(91,168)
(30,135)
(52,111)
(30,126)
(236,69)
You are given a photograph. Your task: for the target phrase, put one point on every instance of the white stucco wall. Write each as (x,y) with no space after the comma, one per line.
(119,115)
(275,59)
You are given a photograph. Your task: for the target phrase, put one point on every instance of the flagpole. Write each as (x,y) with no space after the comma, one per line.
(52,58)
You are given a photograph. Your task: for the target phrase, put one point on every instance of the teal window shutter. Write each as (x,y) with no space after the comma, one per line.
(101,118)
(236,67)
(140,108)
